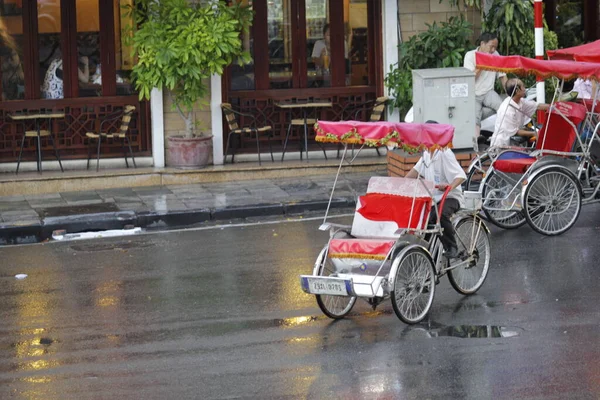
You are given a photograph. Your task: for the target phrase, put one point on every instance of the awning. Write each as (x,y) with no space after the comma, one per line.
(562,69)
(589,52)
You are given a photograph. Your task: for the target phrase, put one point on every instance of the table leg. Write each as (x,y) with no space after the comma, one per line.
(305,133)
(39,146)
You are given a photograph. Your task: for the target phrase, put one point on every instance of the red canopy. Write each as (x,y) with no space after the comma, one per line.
(589,52)
(411,137)
(562,69)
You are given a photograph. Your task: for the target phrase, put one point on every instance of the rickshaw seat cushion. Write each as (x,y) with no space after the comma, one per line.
(406,212)
(360,248)
(387,207)
(513,162)
(515,166)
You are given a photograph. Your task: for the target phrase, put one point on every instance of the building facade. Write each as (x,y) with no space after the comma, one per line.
(72,56)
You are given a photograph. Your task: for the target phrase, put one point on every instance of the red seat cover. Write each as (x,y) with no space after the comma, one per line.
(388,207)
(374,249)
(514,165)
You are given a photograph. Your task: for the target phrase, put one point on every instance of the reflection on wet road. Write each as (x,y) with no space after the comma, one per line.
(220,314)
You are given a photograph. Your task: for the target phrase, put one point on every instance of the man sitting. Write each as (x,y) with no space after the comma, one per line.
(513,113)
(442,168)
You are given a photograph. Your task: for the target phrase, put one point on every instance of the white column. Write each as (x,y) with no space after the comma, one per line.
(539,45)
(216,119)
(390,44)
(158,128)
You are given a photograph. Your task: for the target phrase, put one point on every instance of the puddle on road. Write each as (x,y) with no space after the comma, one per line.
(462,331)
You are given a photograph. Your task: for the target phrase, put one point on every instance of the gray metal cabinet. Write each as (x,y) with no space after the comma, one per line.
(446,95)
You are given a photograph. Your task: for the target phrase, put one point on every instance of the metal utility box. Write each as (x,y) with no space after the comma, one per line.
(446,95)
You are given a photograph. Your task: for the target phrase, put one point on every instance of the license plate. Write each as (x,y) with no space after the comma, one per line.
(329,286)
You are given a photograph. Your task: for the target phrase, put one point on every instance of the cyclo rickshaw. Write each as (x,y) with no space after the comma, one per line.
(546,187)
(390,250)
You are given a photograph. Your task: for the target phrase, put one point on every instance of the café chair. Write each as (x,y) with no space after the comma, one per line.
(120,135)
(43,133)
(252,129)
(299,123)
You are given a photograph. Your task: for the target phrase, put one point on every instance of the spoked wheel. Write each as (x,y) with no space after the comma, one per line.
(497,196)
(414,285)
(335,307)
(552,201)
(473,238)
(476,172)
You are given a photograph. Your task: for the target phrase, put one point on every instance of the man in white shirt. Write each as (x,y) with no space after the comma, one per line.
(513,113)
(321,53)
(585,88)
(484,80)
(442,168)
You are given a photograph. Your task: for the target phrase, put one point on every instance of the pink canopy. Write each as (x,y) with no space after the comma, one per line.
(562,69)
(589,52)
(411,137)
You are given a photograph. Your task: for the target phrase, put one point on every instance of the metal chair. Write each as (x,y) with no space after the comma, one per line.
(377,108)
(125,116)
(38,134)
(299,122)
(253,129)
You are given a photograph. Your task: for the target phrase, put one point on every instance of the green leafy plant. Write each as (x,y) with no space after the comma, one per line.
(179,44)
(442,45)
(513,22)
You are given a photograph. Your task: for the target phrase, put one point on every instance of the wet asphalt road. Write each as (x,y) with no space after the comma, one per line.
(219,314)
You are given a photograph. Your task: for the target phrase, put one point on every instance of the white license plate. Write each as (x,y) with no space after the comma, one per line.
(330,286)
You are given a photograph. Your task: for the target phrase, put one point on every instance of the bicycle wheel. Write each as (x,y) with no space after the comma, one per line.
(472,237)
(476,172)
(552,201)
(414,285)
(334,307)
(496,196)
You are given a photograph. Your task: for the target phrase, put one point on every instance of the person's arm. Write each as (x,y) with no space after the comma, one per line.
(503,80)
(412,174)
(317,52)
(543,107)
(525,133)
(469,63)
(453,185)
(452,170)
(84,76)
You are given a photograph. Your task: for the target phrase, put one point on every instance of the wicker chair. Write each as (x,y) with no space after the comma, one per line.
(121,135)
(235,129)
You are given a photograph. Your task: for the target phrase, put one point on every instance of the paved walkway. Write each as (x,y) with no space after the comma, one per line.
(32,218)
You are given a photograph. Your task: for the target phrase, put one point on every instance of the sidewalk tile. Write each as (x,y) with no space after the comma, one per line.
(80,196)
(13,205)
(45,196)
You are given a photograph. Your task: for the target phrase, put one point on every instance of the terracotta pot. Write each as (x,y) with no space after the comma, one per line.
(185,152)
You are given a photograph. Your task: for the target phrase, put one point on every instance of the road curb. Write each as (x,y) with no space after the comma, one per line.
(28,232)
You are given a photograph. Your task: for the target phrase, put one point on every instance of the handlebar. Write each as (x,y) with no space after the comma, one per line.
(441,207)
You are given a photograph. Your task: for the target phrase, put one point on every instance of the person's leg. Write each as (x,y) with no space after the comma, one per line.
(478,112)
(449,236)
(492,100)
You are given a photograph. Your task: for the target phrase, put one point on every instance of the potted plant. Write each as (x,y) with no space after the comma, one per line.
(179,44)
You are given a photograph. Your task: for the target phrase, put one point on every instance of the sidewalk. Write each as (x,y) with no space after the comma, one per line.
(33,218)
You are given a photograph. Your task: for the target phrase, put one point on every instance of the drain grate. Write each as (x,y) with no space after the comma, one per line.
(116,246)
(64,211)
